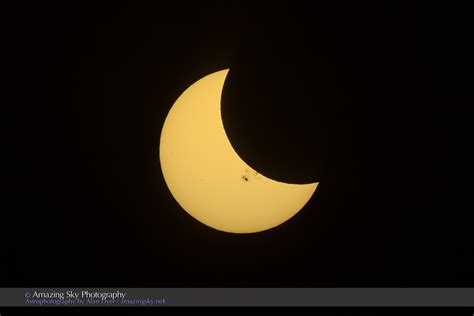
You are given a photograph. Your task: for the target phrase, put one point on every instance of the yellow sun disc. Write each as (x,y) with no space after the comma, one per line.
(207,177)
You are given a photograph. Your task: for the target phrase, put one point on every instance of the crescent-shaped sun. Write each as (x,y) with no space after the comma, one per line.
(208,178)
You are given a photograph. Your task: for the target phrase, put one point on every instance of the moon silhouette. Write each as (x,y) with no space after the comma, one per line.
(208,178)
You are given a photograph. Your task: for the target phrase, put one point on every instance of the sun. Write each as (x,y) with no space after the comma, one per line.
(208,178)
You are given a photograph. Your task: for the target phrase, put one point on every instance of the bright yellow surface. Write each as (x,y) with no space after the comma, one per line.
(207,177)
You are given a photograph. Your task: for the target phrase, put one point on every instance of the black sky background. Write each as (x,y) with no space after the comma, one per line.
(373,102)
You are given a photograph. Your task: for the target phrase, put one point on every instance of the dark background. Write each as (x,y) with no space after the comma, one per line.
(373,102)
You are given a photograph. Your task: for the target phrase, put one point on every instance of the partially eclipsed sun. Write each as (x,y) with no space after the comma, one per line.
(207,177)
